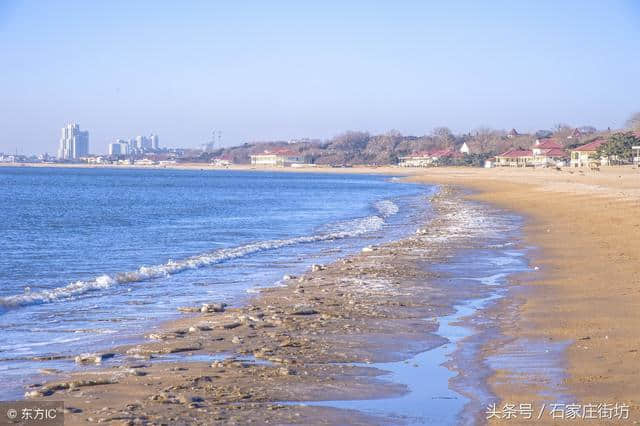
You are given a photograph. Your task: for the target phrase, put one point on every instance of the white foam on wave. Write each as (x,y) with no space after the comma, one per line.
(351,228)
(387,208)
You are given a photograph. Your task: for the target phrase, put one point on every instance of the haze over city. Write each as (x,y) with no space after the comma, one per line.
(279,70)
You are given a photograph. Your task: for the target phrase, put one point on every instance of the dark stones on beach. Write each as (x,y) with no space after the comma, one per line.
(51,388)
(213,307)
(206,308)
(303,310)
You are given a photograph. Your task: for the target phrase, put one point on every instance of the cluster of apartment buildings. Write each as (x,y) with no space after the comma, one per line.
(137,145)
(74,144)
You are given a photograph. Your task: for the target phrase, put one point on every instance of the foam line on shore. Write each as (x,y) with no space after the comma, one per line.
(341,230)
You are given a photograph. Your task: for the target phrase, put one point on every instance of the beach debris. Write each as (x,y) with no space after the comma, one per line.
(303,310)
(422,231)
(286,371)
(204,327)
(212,307)
(368,249)
(315,267)
(49,371)
(188,309)
(231,325)
(50,389)
(93,358)
(236,340)
(289,277)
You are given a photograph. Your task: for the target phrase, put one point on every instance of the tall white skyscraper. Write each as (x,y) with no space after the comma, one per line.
(74,143)
(155,142)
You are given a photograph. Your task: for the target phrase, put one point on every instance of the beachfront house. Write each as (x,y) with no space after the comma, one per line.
(417,159)
(548,152)
(223,161)
(277,158)
(428,158)
(583,156)
(515,158)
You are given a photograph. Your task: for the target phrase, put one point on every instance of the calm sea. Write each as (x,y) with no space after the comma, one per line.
(91,258)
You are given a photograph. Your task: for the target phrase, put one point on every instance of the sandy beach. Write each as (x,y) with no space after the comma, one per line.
(290,343)
(587,228)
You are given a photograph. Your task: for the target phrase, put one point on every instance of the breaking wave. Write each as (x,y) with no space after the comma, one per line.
(347,229)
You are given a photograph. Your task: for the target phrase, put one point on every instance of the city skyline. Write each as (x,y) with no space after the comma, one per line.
(284,71)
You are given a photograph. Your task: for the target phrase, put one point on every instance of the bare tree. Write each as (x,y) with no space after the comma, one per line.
(484,140)
(562,132)
(444,137)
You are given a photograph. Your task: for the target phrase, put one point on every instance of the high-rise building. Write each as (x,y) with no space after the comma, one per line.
(119,147)
(155,142)
(74,143)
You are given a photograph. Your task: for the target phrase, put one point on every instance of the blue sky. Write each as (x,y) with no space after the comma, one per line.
(261,70)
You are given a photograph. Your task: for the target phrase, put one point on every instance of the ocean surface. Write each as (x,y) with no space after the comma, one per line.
(92,258)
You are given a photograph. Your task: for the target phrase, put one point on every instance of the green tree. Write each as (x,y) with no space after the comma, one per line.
(618,147)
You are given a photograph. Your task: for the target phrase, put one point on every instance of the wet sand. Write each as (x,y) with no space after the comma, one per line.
(584,300)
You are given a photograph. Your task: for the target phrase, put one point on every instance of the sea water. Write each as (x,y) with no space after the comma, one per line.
(92,258)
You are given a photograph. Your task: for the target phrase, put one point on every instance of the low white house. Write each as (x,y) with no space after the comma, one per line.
(464,149)
(418,159)
(277,158)
(145,162)
(582,156)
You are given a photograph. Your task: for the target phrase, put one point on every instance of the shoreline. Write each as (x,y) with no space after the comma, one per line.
(380,327)
(587,230)
(357,169)
(538,308)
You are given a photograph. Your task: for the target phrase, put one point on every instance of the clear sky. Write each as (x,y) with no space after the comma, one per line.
(261,70)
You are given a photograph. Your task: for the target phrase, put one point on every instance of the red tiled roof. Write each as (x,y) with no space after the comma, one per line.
(591,146)
(556,152)
(515,153)
(548,144)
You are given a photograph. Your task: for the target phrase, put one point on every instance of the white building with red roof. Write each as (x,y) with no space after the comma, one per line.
(515,158)
(583,155)
(428,158)
(277,158)
(548,152)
